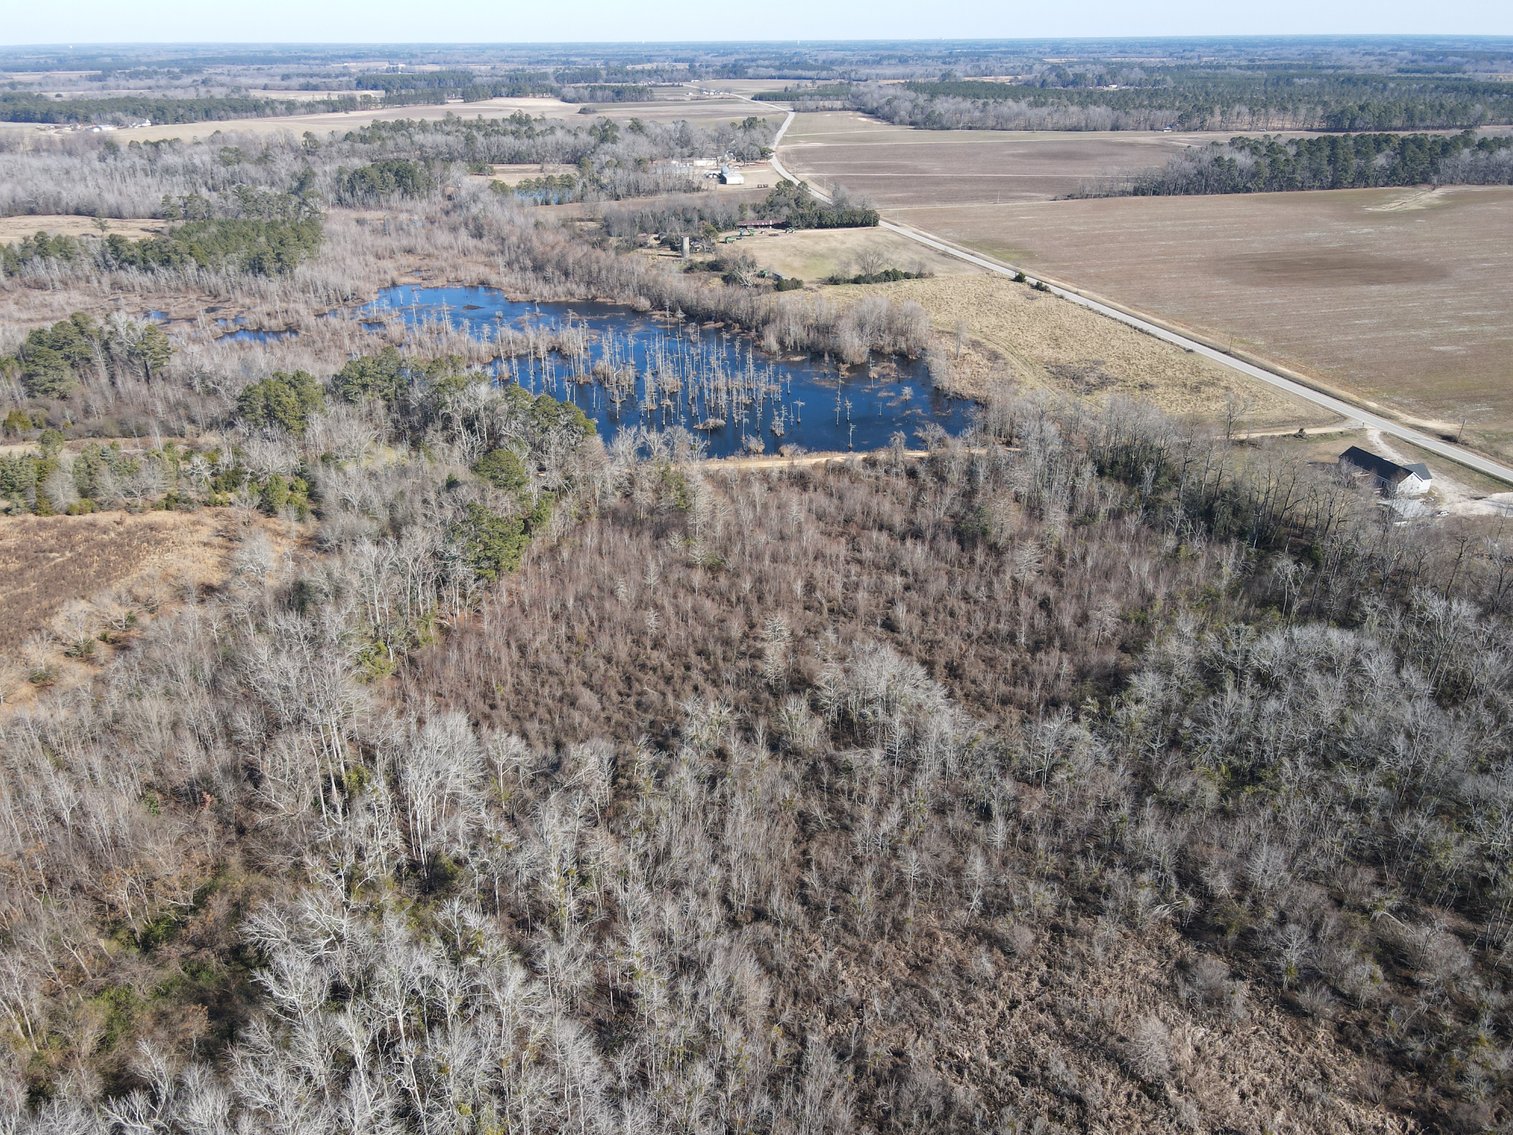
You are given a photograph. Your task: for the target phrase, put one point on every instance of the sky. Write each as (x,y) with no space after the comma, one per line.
(514,21)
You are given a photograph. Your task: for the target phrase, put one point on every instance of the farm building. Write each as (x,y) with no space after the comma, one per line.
(729,175)
(1388,476)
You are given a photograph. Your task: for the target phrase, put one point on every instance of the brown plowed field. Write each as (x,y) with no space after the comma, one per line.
(896,167)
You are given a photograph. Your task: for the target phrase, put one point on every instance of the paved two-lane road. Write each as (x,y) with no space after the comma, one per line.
(1340,406)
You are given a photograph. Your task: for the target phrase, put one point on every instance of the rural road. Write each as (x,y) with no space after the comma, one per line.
(1340,406)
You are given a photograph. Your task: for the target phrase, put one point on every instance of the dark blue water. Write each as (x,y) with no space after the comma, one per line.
(625,370)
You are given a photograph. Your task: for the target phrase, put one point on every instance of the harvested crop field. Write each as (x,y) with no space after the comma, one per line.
(897,167)
(1396,296)
(1012,336)
(690,106)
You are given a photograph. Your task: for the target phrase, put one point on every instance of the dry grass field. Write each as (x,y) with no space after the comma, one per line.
(15,228)
(690,105)
(515,174)
(72,580)
(1399,297)
(995,332)
(814,254)
(48,561)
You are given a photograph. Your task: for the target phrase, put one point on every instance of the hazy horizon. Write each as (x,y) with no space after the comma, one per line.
(730,42)
(680,21)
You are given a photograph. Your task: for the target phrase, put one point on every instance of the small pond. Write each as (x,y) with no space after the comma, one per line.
(625,369)
(255,335)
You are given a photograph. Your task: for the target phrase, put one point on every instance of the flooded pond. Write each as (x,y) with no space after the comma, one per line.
(625,370)
(255,335)
(236,331)
(231,329)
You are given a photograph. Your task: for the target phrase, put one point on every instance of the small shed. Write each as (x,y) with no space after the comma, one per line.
(1388,476)
(729,175)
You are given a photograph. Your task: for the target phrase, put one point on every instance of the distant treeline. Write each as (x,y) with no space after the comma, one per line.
(606,183)
(1306,99)
(408,89)
(708,214)
(451,82)
(577,85)
(812,97)
(605,92)
(160,109)
(262,232)
(1339,161)
(1181,98)
(253,245)
(572,84)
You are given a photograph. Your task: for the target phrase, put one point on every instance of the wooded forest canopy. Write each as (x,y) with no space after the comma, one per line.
(1157,95)
(1348,161)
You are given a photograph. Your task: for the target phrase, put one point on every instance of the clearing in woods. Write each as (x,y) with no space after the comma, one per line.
(75,584)
(18,228)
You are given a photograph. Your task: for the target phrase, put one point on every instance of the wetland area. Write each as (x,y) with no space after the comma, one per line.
(625,370)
